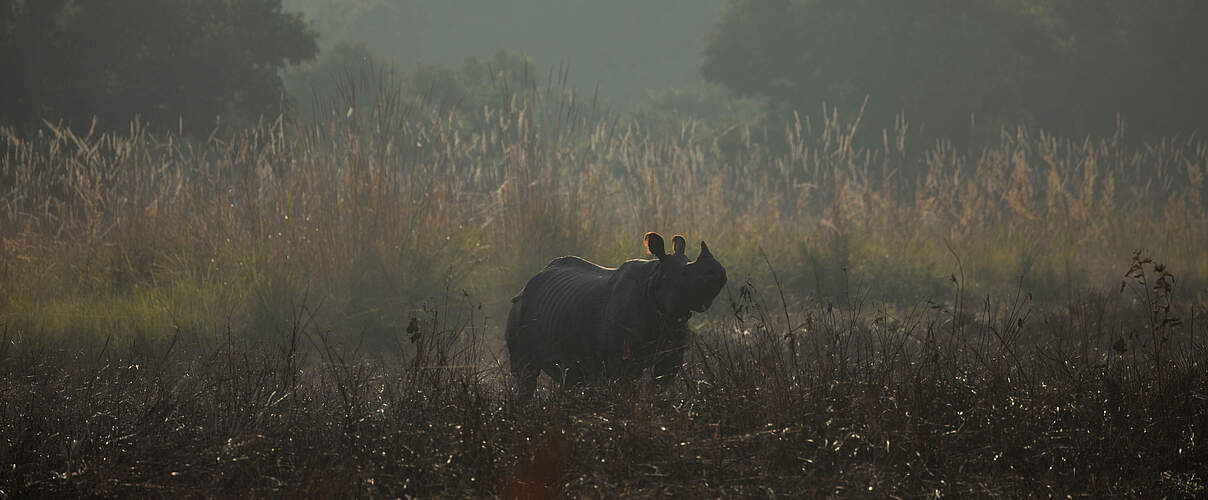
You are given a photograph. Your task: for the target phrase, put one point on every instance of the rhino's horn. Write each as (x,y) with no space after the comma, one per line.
(679,244)
(704,252)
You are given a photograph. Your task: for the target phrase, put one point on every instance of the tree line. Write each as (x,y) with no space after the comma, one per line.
(173,63)
(952,68)
(960,68)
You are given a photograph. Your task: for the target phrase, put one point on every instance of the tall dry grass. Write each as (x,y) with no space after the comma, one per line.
(306,309)
(367,215)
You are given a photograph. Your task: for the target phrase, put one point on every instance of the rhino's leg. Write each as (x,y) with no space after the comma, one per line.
(613,355)
(572,375)
(667,365)
(524,368)
(669,357)
(526,377)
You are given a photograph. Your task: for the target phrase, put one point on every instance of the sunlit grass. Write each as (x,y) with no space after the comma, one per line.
(310,310)
(391,203)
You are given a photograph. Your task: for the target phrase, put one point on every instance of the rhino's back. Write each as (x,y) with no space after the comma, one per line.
(567,287)
(560,308)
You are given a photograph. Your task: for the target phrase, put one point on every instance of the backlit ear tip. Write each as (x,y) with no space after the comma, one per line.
(654,244)
(679,244)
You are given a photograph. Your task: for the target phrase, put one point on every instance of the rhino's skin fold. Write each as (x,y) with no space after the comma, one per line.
(580,322)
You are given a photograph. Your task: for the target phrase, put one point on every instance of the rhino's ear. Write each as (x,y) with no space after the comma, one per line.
(654,245)
(679,244)
(704,252)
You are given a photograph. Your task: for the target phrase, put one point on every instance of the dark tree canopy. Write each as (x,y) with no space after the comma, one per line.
(1066,66)
(167,61)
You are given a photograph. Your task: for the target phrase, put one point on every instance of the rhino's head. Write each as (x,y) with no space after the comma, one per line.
(680,285)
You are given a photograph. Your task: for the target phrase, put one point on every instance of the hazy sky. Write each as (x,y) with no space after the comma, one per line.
(627,46)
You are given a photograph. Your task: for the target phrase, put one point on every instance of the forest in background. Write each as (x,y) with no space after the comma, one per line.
(955,70)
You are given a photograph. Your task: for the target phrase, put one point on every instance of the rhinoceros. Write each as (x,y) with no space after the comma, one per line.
(580,322)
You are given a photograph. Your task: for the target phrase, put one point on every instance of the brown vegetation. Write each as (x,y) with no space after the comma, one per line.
(313,310)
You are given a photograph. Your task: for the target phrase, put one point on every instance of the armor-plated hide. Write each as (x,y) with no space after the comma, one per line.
(581,322)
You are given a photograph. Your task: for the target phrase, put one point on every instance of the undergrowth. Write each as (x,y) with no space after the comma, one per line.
(1103,399)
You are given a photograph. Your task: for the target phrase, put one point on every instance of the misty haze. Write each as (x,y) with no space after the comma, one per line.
(388,248)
